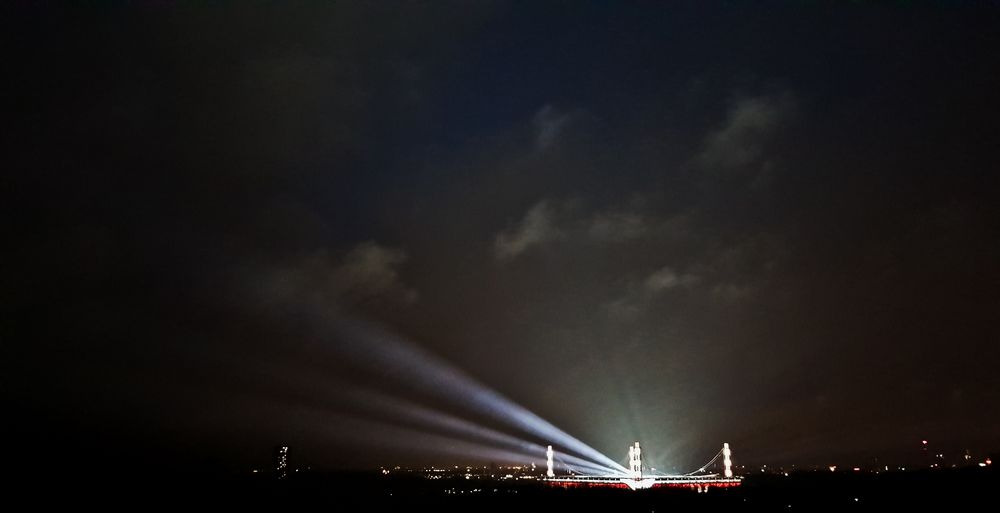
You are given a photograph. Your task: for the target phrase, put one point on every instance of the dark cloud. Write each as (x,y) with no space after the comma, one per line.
(549,125)
(666,278)
(537,227)
(741,139)
(368,273)
(550,221)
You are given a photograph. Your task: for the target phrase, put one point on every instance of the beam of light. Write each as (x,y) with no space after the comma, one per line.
(416,367)
(356,430)
(376,349)
(300,390)
(582,467)
(389,408)
(583,470)
(360,432)
(449,423)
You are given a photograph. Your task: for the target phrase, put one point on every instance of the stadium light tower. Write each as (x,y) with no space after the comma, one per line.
(635,461)
(548,461)
(726,461)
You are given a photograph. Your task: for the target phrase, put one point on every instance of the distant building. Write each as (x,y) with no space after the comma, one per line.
(281,461)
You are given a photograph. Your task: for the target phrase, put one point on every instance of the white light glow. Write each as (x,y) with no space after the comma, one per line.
(635,461)
(727,462)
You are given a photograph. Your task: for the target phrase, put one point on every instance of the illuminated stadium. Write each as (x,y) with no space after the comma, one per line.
(635,479)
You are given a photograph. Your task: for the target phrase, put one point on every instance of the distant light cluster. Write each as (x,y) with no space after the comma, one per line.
(282,464)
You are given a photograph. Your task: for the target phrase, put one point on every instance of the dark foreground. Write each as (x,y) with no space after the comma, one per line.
(811,491)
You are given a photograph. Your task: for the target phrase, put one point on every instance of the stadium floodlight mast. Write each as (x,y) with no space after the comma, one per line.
(727,462)
(635,461)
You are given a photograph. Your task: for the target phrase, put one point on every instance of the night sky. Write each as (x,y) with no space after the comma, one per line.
(771,224)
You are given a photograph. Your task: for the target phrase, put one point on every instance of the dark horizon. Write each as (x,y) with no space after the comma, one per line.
(362,230)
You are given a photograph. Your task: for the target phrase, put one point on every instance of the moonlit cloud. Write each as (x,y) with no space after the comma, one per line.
(550,221)
(739,141)
(666,278)
(638,297)
(548,125)
(617,225)
(367,273)
(537,227)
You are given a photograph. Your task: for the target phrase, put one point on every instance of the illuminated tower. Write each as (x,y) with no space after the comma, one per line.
(726,461)
(635,461)
(548,461)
